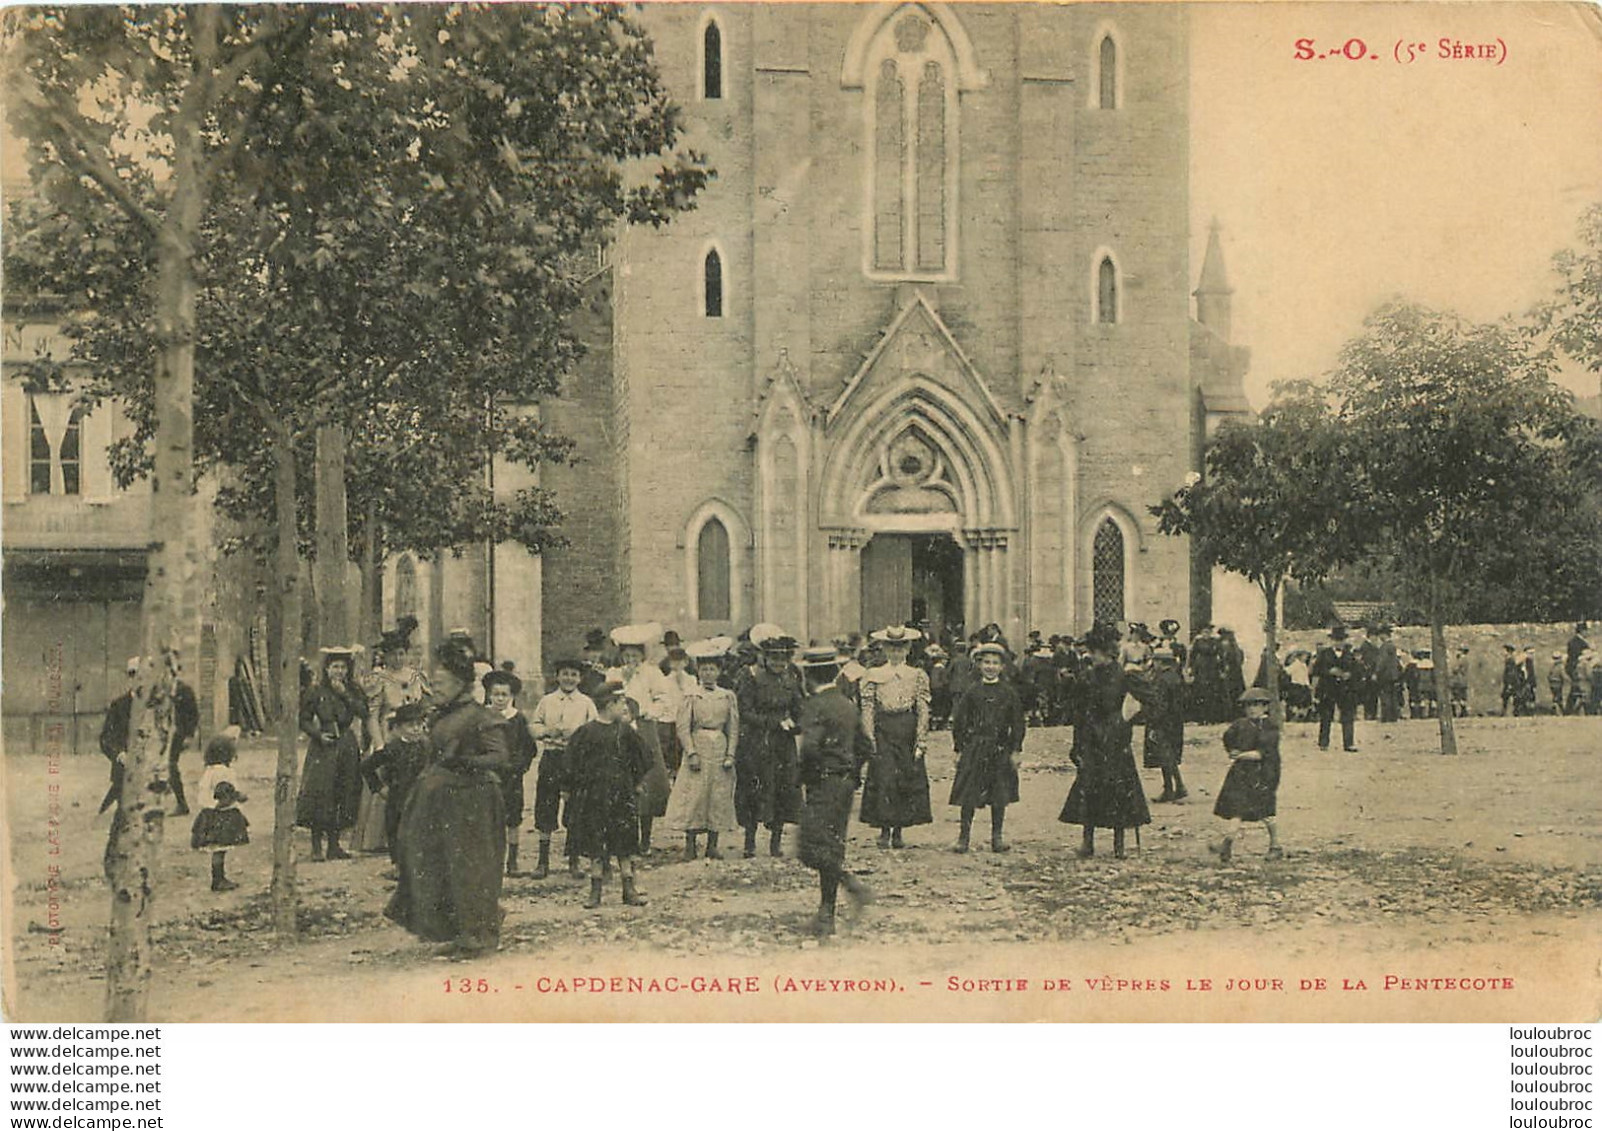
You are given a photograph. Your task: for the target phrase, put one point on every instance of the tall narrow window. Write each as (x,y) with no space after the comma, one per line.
(932,169)
(1106,291)
(712,62)
(1108,67)
(405,589)
(887,186)
(712,595)
(712,271)
(1107,574)
(39,460)
(71,459)
(911,79)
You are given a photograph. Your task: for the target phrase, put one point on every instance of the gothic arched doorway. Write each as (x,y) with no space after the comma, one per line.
(913,579)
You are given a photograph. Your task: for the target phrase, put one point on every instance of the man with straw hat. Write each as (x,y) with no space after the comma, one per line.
(834,747)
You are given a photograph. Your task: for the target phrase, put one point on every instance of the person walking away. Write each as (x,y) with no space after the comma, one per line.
(766,788)
(1458,678)
(1577,646)
(610,763)
(1106,792)
(1388,677)
(1251,787)
(987,731)
(1162,702)
(648,688)
(709,733)
(556,718)
(501,689)
(392,771)
(834,747)
(1512,679)
(1335,674)
(333,716)
(895,715)
(452,834)
(220,825)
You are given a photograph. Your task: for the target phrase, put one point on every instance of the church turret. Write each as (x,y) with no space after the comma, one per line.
(1213,292)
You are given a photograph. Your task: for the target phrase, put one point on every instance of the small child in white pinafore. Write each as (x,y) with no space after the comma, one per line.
(220,826)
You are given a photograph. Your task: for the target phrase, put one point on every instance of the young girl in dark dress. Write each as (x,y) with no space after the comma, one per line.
(987,729)
(1252,784)
(1107,791)
(220,825)
(334,717)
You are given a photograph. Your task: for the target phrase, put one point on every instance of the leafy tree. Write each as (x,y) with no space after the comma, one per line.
(1469,450)
(1573,317)
(1280,501)
(378,205)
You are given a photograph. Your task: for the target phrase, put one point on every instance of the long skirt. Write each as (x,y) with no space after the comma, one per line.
(452,846)
(984,777)
(703,799)
(897,791)
(1107,792)
(217,829)
(767,784)
(330,785)
(512,800)
(371,821)
(824,818)
(654,798)
(603,820)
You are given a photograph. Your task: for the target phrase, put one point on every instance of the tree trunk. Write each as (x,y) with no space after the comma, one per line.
(1276,709)
(333,538)
(1442,673)
(171,570)
(287,596)
(370,617)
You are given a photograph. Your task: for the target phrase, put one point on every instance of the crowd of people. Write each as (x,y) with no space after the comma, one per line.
(724,737)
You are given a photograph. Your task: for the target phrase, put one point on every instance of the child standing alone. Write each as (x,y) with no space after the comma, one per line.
(220,826)
(1251,788)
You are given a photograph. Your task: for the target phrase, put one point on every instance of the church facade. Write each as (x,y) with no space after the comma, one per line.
(925,350)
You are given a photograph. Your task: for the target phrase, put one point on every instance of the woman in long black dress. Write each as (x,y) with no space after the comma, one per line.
(895,715)
(1251,788)
(767,785)
(452,834)
(334,717)
(1107,791)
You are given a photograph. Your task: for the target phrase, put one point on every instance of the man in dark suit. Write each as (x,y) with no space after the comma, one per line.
(1387,675)
(1577,648)
(1336,673)
(114,734)
(1368,655)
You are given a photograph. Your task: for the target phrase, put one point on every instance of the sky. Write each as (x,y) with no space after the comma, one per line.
(1341,183)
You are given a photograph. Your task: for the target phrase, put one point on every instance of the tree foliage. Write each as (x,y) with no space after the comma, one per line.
(1573,316)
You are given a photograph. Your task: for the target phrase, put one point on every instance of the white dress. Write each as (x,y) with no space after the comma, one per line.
(709,727)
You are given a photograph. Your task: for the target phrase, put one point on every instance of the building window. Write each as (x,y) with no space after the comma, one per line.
(1106,291)
(913,149)
(712,284)
(712,591)
(1107,573)
(1107,66)
(712,62)
(43,459)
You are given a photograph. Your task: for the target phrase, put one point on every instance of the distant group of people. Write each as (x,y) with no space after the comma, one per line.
(1573,678)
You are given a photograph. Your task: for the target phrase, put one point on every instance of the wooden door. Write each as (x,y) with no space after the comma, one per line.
(886,581)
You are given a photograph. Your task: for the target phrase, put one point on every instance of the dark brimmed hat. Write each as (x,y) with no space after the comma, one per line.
(502,679)
(1102,637)
(775,644)
(1256,695)
(569,664)
(1169,627)
(409,713)
(595,640)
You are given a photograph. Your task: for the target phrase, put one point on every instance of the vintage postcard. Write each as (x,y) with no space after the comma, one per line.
(723,579)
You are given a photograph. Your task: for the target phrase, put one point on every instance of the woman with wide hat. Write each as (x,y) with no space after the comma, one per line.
(895,715)
(1107,792)
(452,834)
(709,732)
(766,789)
(334,717)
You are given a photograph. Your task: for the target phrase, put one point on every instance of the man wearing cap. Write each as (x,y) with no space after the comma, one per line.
(1335,674)
(895,715)
(556,718)
(610,765)
(987,733)
(834,747)
(766,788)
(1387,673)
